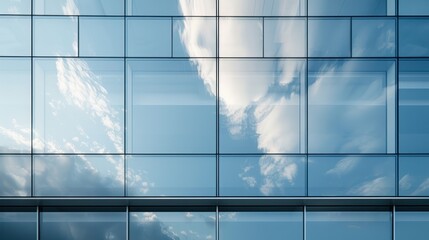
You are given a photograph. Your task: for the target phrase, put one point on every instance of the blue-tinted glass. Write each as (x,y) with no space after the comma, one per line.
(15,105)
(351,176)
(262,7)
(15,176)
(194,37)
(15,7)
(269,175)
(351,7)
(285,37)
(171,176)
(15,36)
(351,106)
(171,106)
(79,7)
(171,7)
(149,37)
(261,225)
(373,37)
(18,225)
(82,175)
(261,106)
(411,225)
(413,7)
(78,105)
(240,37)
(55,36)
(101,36)
(413,176)
(321,42)
(413,37)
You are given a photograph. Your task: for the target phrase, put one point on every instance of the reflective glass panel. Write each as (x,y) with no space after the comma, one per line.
(262,7)
(351,176)
(79,7)
(15,176)
(18,224)
(171,7)
(149,37)
(83,175)
(78,105)
(351,7)
(171,106)
(414,37)
(15,105)
(413,106)
(413,7)
(321,42)
(15,7)
(240,37)
(269,175)
(413,176)
(171,176)
(15,36)
(55,36)
(411,225)
(261,106)
(261,225)
(101,37)
(285,37)
(351,106)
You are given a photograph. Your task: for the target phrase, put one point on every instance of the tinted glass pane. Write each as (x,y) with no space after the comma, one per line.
(411,225)
(240,37)
(262,176)
(260,225)
(262,7)
(55,36)
(373,37)
(15,176)
(78,105)
(260,106)
(101,37)
(172,107)
(320,40)
(350,7)
(351,106)
(171,176)
(413,176)
(149,37)
(413,37)
(413,7)
(171,7)
(285,38)
(351,176)
(15,7)
(18,225)
(15,105)
(79,7)
(15,35)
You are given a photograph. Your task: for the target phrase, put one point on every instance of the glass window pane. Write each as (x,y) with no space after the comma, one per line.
(15,176)
(101,37)
(413,176)
(373,37)
(413,106)
(172,106)
(262,7)
(149,37)
(351,106)
(351,7)
(171,7)
(15,105)
(18,224)
(411,225)
(78,105)
(55,36)
(261,225)
(351,176)
(413,7)
(285,38)
(320,40)
(15,36)
(15,7)
(79,7)
(81,175)
(171,176)
(414,37)
(260,106)
(269,175)
(240,37)
(194,37)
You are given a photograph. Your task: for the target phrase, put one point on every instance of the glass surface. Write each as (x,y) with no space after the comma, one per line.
(194,37)
(351,176)
(411,225)
(351,106)
(261,106)
(171,176)
(15,176)
(18,225)
(15,36)
(351,7)
(15,105)
(101,36)
(240,37)
(414,37)
(269,175)
(413,106)
(149,37)
(373,37)
(171,106)
(75,224)
(261,225)
(413,7)
(413,176)
(350,225)
(262,7)
(55,36)
(83,175)
(78,105)
(285,37)
(79,7)
(171,7)
(329,37)
(15,7)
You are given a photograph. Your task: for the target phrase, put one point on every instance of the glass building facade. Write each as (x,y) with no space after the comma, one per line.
(214,119)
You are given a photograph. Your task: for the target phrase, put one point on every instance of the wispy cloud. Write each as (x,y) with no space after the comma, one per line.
(344,166)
